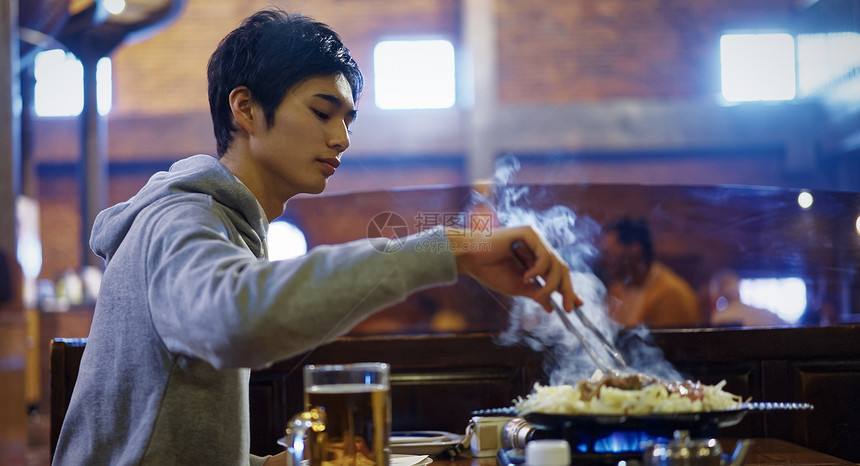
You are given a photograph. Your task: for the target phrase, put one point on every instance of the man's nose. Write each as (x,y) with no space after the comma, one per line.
(339,137)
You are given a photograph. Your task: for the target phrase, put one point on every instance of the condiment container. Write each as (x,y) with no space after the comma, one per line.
(548,453)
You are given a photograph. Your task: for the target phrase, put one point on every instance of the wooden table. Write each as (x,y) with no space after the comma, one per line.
(764,451)
(774,451)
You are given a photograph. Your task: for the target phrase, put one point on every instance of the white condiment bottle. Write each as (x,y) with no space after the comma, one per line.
(547,453)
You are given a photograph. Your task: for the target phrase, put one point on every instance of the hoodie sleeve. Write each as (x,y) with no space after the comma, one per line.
(214,300)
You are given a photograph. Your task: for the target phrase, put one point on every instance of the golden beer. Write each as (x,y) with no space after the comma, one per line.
(357,424)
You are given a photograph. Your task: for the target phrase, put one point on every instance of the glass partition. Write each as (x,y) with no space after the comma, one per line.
(794,252)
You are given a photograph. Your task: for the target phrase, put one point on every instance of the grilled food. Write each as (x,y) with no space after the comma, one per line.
(634,394)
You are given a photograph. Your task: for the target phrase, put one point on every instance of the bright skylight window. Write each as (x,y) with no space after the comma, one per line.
(825,58)
(60,84)
(785,296)
(414,74)
(757,67)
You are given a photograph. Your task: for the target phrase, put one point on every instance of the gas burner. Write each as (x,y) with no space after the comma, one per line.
(588,445)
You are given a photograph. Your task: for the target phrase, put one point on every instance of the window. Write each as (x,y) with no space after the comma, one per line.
(60,84)
(414,74)
(757,67)
(825,58)
(784,296)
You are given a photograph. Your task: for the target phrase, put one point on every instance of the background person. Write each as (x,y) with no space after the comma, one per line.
(728,308)
(640,289)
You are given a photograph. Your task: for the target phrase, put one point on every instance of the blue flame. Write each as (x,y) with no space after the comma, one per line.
(625,442)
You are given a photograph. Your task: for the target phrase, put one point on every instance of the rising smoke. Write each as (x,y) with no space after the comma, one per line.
(573,237)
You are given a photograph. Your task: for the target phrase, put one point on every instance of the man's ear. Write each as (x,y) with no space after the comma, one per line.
(243,109)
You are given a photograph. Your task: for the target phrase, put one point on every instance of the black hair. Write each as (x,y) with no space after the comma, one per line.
(269,53)
(631,230)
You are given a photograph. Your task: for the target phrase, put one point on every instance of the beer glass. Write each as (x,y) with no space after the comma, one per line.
(347,417)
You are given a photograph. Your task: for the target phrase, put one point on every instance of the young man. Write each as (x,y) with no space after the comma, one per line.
(189,301)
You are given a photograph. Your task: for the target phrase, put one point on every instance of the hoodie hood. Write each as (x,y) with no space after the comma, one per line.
(199,174)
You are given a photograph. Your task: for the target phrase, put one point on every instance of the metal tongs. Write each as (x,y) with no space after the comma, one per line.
(526,258)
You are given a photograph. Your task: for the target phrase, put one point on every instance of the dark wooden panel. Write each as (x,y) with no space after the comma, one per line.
(834,389)
(717,344)
(62,326)
(445,400)
(66,356)
(267,405)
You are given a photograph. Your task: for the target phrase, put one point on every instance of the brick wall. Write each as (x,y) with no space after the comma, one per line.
(568,51)
(549,51)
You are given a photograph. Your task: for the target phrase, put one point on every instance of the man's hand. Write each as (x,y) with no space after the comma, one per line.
(491,261)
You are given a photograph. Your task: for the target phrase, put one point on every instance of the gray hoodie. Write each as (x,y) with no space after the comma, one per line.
(189,302)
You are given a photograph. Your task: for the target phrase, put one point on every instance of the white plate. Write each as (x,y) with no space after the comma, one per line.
(401,460)
(419,436)
(410,460)
(419,442)
(426,442)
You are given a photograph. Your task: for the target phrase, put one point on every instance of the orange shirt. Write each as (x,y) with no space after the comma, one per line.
(664,300)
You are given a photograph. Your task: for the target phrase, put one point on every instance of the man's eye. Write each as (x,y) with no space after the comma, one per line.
(321,115)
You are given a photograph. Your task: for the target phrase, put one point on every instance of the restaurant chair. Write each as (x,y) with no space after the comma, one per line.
(65,361)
